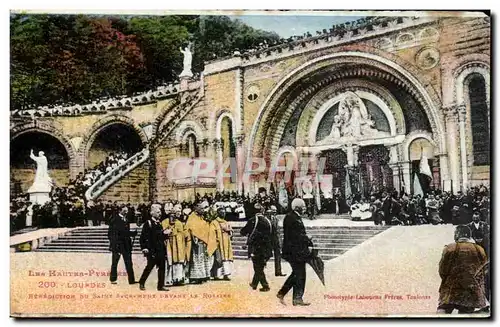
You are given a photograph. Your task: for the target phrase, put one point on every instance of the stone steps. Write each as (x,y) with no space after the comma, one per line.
(331,241)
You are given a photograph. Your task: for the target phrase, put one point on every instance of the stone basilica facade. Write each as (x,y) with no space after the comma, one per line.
(372,102)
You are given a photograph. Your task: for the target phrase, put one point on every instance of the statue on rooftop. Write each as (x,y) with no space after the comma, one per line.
(188,59)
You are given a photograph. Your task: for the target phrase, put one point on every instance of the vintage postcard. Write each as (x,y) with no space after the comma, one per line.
(250,164)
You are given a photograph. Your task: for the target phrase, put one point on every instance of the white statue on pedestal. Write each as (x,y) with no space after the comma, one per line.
(40,190)
(188,59)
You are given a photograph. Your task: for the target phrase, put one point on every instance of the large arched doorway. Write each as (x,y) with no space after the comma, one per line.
(392,101)
(113,138)
(22,168)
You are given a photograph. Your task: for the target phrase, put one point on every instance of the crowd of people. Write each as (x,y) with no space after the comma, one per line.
(190,242)
(395,208)
(68,207)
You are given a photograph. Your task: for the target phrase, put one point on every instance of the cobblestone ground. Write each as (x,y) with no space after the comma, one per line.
(394,273)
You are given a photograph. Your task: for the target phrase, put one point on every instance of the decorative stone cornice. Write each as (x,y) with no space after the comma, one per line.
(122,102)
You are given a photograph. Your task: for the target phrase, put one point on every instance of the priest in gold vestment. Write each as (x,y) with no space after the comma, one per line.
(197,246)
(176,247)
(224,233)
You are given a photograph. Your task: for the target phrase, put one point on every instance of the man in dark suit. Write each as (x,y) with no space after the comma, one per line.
(387,208)
(260,247)
(296,250)
(153,247)
(271,213)
(120,244)
(478,231)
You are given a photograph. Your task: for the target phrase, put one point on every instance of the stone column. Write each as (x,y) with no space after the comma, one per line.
(443,171)
(451,115)
(217,144)
(462,116)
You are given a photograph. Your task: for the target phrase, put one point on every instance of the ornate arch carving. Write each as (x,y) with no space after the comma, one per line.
(106,121)
(329,92)
(405,37)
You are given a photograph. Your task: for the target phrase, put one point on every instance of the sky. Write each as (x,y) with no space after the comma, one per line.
(287,26)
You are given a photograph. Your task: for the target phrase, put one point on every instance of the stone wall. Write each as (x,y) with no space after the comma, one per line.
(163,155)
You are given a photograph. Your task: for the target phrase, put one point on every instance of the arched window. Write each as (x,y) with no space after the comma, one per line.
(228,146)
(479,120)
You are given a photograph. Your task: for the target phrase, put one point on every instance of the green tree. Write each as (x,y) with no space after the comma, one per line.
(77,58)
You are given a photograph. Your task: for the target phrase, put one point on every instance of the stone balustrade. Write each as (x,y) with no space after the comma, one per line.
(369,29)
(105,106)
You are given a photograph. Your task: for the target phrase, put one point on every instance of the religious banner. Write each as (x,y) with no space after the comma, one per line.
(249,164)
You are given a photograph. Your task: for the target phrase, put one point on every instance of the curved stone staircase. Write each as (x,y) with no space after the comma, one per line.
(179,111)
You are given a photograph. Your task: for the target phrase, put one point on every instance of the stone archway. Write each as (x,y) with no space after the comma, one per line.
(218,125)
(384,68)
(101,125)
(47,128)
(37,136)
